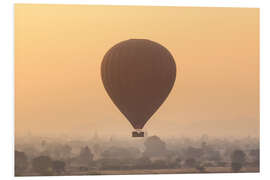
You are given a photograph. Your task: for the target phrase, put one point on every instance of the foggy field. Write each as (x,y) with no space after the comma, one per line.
(37,156)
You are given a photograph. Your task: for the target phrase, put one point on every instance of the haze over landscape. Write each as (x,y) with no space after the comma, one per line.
(59,49)
(66,124)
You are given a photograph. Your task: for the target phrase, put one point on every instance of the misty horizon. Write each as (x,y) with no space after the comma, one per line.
(188,77)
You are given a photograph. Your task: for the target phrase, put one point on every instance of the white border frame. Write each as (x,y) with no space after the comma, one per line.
(7,82)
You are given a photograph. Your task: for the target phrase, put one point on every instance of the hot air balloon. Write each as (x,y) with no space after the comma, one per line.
(138,75)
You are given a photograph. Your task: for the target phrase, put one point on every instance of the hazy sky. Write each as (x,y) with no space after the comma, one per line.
(59,49)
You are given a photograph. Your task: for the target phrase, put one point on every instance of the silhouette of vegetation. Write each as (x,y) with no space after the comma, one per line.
(149,154)
(192,152)
(154,146)
(58,166)
(255,156)
(120,153)
(174,163)
(190,163)
(236,166)
(116,164)
(143,163)
(42,165)
(84,160)
(213,155)
(238,159)
(159,164)
(21,162)
(86,154)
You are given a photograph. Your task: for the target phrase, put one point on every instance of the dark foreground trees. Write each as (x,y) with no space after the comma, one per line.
(21,162)
(238,159)
(42,165)
(143,163)
(154,147)
(45,166)
(86,156)
(58,166)
(190,163)
(255,157)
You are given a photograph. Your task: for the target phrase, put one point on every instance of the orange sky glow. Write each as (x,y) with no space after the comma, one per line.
(59,49)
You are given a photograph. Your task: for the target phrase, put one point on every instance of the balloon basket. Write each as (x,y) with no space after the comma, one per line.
(137,134)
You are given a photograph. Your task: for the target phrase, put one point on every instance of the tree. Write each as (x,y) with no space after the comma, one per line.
(174,163)
(255,156)
(236,166)
(96,148)
(42,165)
(159,164)
(58,166)
(190,163)
(66,151)
(192,152)
(154,147)
(86,156)
(213,155)
(120,153)
(143,163)
(21,162)
(238,158)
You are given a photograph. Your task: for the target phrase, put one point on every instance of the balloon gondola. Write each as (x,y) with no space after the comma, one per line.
(138,75)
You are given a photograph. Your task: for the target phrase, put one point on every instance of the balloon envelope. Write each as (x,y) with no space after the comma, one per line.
(138,75)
